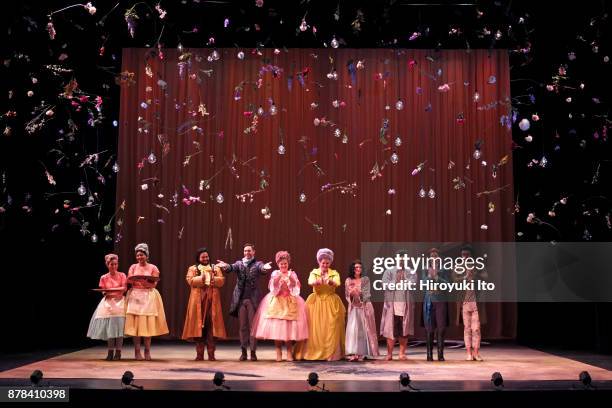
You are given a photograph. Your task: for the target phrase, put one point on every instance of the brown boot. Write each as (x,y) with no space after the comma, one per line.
(199,351)
(211,353)
(243,356)
(109,355)
(117,355)
(253,355)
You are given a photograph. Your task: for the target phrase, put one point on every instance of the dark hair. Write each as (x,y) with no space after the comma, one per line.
(200,252)
(249,244)
(468,247)
(352,268)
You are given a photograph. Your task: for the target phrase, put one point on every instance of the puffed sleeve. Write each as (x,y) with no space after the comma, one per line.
(155,271)
(312,278)
(123,282)
(294,284)
(274,284)
(336,278)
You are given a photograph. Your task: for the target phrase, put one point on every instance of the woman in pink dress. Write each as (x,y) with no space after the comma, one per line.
(108,320)
(281,315)
(145,315)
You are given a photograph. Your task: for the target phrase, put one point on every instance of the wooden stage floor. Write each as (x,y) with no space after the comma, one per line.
(173,366)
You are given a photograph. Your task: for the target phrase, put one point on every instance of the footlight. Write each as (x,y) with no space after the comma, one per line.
(219,381)
(404,380)
(585,379)
(36,378)
(127,381)
(497,380)
(313,382)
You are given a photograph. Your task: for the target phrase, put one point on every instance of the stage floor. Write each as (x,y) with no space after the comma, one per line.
(173,362)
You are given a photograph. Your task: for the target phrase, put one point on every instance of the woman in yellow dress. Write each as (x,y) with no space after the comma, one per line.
(326,313)
(145,316)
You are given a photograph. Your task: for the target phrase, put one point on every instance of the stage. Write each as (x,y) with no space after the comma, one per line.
(173,367)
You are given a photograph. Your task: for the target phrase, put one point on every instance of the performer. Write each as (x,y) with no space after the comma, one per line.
(468,307)
(326,313)
(435,306)
(245,298)
(204,318)
(397,321)
(361,336)
(145,315)
(109,318)
(281,315)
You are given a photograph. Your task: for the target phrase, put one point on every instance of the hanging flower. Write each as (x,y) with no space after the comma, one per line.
(162,12)
(130,19)
(51,30)
(90,8)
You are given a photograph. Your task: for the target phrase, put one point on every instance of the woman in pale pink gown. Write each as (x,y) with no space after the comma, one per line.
(281,315)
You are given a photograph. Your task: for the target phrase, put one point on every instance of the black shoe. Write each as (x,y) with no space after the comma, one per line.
(243,356)
(117,355)
(440,347)
(429,346)
(109,356)
(253,355)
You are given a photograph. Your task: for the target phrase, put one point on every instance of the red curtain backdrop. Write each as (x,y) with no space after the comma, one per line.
(196,113)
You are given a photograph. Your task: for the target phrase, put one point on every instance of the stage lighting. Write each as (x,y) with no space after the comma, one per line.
(219,381)
(497,379)
(128,381)
(313,382)
(313,379)
(585,379)
(404,380)
(127,378)
(36,377)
